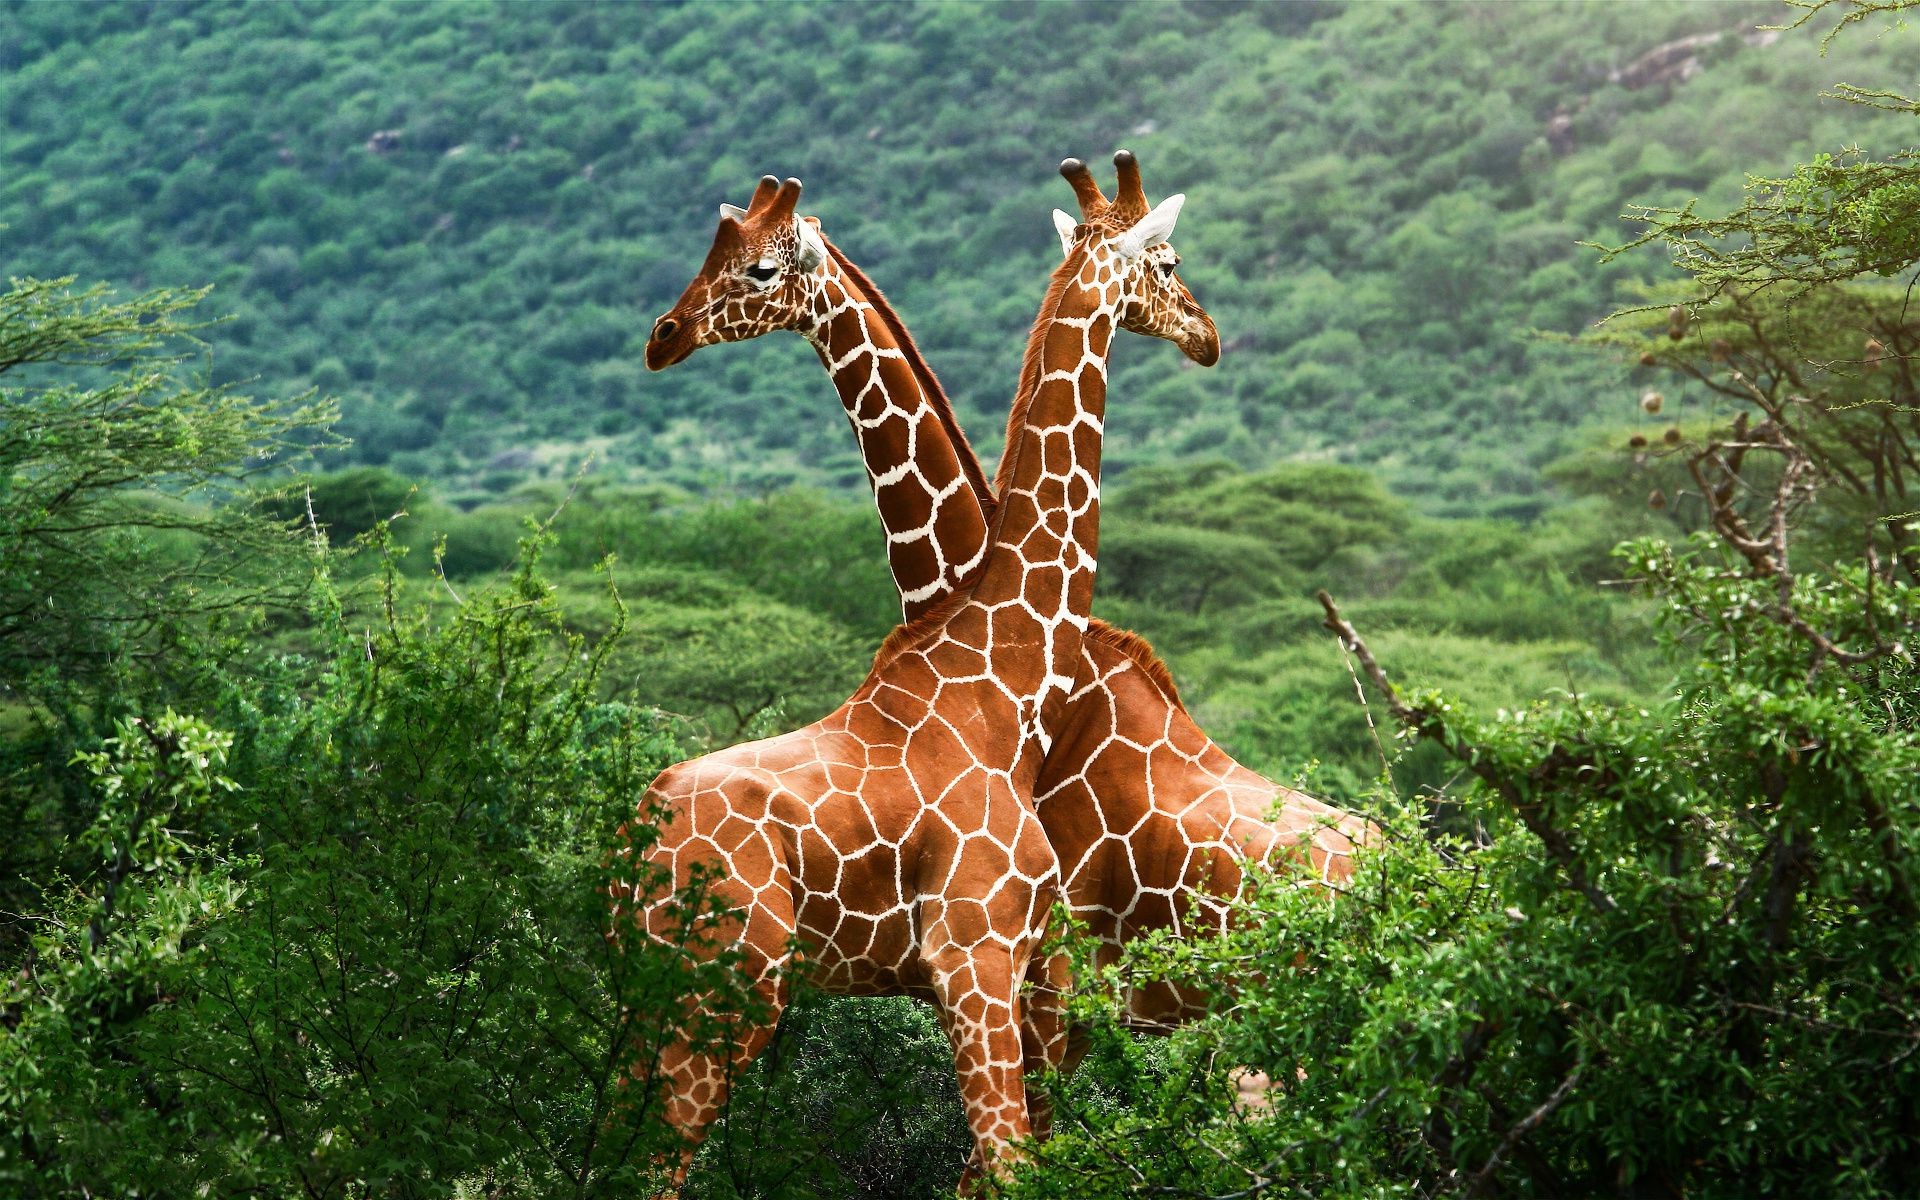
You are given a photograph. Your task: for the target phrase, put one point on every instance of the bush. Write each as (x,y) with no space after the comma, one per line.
(359,943)
(1659,949)
(1661,917)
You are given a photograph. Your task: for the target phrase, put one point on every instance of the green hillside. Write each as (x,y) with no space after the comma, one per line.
(461,219)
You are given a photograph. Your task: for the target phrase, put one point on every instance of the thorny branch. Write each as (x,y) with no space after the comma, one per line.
(1428,724)
(1484,1176)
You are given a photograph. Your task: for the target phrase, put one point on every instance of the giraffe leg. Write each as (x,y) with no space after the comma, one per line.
(697,1082)
(1046,1037)
(977,992)
(695,1072)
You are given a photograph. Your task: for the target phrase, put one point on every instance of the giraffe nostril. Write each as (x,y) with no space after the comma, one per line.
(664,328)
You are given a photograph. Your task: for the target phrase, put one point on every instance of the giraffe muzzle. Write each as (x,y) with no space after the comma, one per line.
(1202,342)
(665,345)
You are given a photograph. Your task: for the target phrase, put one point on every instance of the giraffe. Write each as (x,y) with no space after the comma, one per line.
(765,274)
(1152,821)
(896,839)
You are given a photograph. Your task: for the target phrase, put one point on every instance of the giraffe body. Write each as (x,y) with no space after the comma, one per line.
(897,838)
(1155,824)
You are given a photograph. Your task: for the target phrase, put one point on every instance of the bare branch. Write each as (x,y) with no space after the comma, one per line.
(1429,725)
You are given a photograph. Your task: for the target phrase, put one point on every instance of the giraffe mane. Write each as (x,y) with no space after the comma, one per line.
(909,633)
(929,383)
(1142,653)
(1063,275)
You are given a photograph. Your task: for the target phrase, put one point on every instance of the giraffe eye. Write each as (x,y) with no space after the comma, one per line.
(763,272)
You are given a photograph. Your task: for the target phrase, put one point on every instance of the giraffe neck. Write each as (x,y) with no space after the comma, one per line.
(1036,584)
(929,491)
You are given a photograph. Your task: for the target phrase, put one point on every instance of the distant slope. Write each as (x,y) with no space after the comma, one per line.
(462,218)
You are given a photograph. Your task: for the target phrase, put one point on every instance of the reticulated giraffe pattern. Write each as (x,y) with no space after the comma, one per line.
(769,271)
(896,839)
(1153,823)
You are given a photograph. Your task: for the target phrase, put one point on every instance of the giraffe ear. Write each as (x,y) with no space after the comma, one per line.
(732,212)
(1152,229)
(1064,225)
(813,251)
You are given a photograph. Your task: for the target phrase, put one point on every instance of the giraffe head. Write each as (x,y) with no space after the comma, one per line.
(1126,239)
(754,279)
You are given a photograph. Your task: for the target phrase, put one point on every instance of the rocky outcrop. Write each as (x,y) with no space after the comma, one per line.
(1679,60)
(1669,63)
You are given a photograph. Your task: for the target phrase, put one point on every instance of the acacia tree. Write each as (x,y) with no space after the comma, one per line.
(130,543)
(358,941)
(120,480)
(345,930)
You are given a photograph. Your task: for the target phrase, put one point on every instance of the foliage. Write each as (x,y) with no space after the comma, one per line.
(461,219)
(1649,949)
(1666,916)
(101,438)
(1217,566)
(110,951)
(348,932)
(383,963)
(1831,369)
(759,615)
(854,1098)
(131,550)
(345,930)
(345,504)
(730,660)
(393,921)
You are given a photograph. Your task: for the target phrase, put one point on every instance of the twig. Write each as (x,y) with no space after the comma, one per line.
(1429,725)
(1767,554)
(1367,711)
(1527,1125)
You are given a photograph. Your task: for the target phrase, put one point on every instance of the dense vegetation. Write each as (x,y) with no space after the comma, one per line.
(1659,950)
(313,758)
(337,690)
(1640,951)
(461,219)
(355,906)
